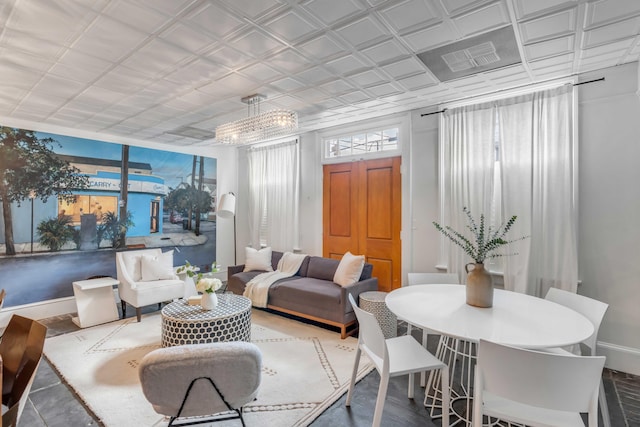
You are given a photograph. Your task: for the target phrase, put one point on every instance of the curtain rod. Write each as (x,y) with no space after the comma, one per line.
(601,79)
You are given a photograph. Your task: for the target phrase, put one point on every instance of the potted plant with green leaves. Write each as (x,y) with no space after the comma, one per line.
(482,246)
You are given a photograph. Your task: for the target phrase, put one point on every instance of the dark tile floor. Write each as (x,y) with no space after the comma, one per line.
(52,403)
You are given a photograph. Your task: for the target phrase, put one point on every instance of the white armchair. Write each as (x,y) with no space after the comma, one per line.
(146,277)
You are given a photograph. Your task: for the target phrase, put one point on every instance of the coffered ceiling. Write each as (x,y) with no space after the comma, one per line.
(140,69)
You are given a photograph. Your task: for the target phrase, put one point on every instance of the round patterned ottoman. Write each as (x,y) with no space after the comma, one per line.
(373,302)
(191,324)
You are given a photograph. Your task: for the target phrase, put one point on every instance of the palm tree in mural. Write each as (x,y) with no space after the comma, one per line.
(28,167)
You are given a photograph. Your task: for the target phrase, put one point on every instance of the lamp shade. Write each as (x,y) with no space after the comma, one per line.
(227,205)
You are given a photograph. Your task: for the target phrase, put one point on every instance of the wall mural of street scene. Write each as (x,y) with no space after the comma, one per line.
(69,203)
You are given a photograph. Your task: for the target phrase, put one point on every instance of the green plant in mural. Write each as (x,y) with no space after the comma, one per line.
(112,227)
(28,166)
(56,232)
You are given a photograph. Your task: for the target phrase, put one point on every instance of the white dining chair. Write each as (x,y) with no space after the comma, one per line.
(431,279)
(593,310)
(535,388)
(393,357)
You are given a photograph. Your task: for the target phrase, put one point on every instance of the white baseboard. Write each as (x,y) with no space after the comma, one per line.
(620,358)
(39,310)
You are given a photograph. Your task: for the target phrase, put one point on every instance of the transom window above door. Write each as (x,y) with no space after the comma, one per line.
(361,144)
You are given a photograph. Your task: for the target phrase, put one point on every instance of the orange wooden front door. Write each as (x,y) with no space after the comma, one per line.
(362,214)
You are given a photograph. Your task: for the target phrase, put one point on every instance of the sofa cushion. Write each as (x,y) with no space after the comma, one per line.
(258,259)
(315,297)
(349,269)
(322,268)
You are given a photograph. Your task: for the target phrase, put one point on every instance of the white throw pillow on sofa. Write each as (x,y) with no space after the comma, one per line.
(257,259)
(349,269)
(157,267)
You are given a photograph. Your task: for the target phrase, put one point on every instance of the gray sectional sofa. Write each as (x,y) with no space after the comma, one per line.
(311,292)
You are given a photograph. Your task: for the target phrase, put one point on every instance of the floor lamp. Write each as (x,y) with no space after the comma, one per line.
(227,209)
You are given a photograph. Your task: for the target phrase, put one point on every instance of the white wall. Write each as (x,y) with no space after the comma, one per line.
(609,207)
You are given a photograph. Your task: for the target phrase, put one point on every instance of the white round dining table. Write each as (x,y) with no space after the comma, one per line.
(515,319)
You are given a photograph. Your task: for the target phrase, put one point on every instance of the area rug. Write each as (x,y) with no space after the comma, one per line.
(305,369)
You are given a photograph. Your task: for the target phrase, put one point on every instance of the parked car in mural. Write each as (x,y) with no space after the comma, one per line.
(175,217)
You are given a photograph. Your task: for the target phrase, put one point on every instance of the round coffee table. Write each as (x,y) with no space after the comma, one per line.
(191,324)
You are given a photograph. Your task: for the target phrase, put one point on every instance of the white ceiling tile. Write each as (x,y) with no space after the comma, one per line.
(550,47)
(58,86)
(385,52)
(404,67)
(251,8)
(168,7)
(556,61)
(618,48)
(236,83)
(256,43)
(25,60)
(60,22)
(20,40)
(157,57)
(354,97)
(79,66)
(16,77)
(492,16)
(322,47)
(291,26)
(336,87)
(456,6)
(514,70)
(362,32)
(111,38)
(289,61)
(608,33)
(228,56)
(417,81)
(310,94)
(123,79)
(527,8)
(385,89)
(287,84)
(410,14)
(197,72)
(215,20)
(332,11)
(314,75)
(601,11)
(431,37)
(557,24)
(137,16)
(261,72)
(367,78)
(346,65)
(96,94)
(188,38)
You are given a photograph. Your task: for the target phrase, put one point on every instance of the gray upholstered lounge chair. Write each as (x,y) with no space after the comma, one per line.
(201,380)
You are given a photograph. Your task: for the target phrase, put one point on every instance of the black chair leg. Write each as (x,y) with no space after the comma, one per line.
(139,313)
(124,308)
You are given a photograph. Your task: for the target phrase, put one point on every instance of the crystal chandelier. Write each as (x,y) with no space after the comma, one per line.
(258,126)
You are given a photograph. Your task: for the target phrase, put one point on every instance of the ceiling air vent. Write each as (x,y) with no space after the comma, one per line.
(485,52)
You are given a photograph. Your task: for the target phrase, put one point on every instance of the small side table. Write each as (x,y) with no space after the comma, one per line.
(373,302)
(95,301)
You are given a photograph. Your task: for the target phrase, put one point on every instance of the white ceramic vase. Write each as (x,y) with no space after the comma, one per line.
(209,301)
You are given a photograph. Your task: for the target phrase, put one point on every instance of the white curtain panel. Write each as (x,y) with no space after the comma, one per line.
(536,154)
(274,188)
(469,159)
(538,185)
